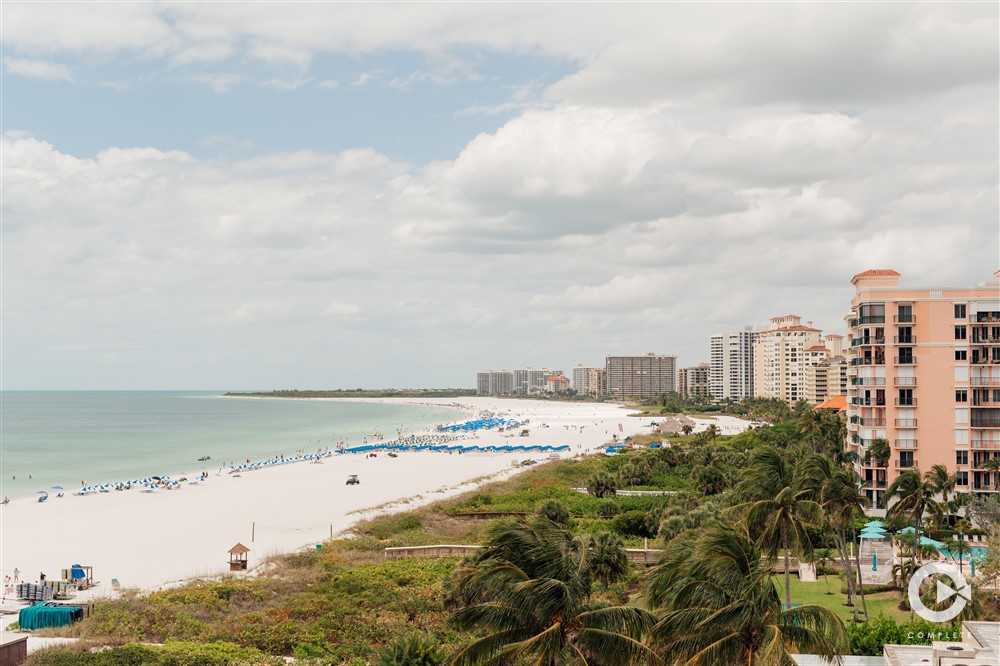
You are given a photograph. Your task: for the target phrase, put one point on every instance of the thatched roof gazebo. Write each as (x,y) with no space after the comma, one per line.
(238,557)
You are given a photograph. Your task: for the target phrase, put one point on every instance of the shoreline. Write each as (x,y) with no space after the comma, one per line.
(168,537)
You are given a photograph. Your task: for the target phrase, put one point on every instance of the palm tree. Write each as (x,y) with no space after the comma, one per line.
(527,594)
(712,432)
(687,428)
(775,509)
(839,491)
(719,605)
(993,465)
(608,561)
(602,485)
(880,451)
(823,557)
(941,481)
(915,497)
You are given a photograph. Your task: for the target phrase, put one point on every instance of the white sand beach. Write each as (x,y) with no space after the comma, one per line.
(149,540)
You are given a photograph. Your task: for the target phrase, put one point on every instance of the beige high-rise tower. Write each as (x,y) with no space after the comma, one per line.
(781,355)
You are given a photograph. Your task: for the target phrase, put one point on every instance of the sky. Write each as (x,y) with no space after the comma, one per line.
(339,195)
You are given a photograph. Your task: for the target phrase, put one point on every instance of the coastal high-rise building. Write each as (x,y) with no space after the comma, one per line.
(695,382)
(641,376)
(581,379)
(781,355)
(827,379)
(532,380)
(598,382)
(731,355)
(924,376)
(495,382)
(557,383)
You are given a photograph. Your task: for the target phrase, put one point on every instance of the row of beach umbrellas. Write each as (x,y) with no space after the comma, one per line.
(479,424)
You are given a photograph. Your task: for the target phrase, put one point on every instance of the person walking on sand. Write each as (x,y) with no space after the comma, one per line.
(17,575)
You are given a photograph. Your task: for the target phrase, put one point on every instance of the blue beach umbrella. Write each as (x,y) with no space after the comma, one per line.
(43,492)
(57,487)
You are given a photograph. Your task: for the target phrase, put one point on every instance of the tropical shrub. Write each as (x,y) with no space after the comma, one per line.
(556,512)
(412,650)
(602,485)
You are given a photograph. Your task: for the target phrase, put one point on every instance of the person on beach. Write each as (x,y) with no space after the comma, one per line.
(17,575)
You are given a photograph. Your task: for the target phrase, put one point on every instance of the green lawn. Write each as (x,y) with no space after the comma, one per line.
(815,593)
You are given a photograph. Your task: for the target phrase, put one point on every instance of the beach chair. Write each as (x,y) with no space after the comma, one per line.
(115,585)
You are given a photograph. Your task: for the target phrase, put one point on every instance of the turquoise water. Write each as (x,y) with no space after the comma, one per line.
(66,437)
(977,553)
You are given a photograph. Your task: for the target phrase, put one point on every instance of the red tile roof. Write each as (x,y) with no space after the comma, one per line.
(838,402)
(816,348)
(875,272)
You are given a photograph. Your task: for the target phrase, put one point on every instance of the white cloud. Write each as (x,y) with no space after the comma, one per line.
(286,84)
(703,168)
(342,309)
(38,69)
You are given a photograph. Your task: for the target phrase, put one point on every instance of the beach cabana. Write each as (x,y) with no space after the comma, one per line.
(238,557)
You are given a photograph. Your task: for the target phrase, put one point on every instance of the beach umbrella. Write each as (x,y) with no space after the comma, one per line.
(156,478)
(43,492)
(57,487)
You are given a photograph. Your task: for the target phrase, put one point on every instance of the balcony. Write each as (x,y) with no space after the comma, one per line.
(905,381)
(906,402)
(986,339)
(905,360)
(869,402)
(984,423)
(873,423)
(904,339)
(868,381)
(906,423)
(904,319)
(865,341)
(877,319)
(906,444)
(985,381)
(905,464)
(987,317)
(986,444)
(879,483)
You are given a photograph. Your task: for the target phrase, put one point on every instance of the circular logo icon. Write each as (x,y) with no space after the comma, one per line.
(958,589)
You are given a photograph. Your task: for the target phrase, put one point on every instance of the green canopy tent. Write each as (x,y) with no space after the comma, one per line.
(42,616)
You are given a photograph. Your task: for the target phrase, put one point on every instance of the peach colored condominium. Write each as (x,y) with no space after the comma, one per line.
(924,374)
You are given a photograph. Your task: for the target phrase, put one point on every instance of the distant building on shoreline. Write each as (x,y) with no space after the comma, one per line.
(695,382)
(731,357)
(582,383)
(641,376)
(924,376)
(523,381)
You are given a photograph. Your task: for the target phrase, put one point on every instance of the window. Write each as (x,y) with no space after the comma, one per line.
(961,395)
(963,479)
(906,397)
(906,458)
(961,457)
(960,332)
(961,355)
(904,313)
(959,310)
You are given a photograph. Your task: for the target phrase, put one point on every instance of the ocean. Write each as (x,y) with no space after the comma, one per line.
(64,438)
